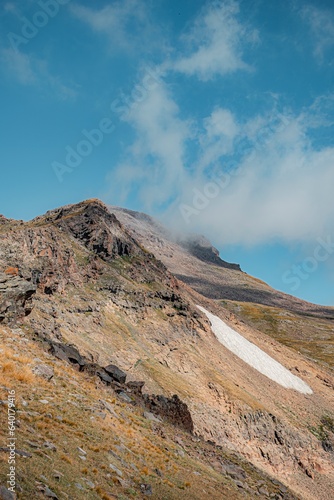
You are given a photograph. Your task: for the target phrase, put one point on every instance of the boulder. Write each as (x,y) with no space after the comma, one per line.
(116,373)
(6,494)
(104,376)
(67,353)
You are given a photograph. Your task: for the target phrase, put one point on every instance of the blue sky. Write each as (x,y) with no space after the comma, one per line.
(215,116)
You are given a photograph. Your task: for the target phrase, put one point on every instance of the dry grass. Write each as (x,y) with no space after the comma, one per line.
(126,442)
(15,368)
(15,373)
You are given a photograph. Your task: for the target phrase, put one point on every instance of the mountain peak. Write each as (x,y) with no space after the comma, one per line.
(201,248)
(154,235)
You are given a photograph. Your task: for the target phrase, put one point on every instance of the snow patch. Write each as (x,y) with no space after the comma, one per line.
(254,356)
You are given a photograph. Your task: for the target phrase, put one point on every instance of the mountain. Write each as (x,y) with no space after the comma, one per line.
(306,327)
(124,387)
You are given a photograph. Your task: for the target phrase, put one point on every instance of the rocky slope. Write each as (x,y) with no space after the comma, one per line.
(306,327)
(207,273)
(89,288)
(79,438)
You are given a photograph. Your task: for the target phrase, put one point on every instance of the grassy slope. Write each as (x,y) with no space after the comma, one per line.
(312,336)
(143,452)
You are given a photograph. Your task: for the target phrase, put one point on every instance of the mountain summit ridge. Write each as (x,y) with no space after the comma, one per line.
(226,283)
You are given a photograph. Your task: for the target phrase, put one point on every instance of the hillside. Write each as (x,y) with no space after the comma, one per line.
(84,287)
(306,327)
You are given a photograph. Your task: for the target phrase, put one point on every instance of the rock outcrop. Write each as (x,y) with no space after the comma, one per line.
(15,297)
(172,409)
(201,248)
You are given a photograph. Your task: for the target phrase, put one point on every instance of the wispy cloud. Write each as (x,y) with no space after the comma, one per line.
(19,65)
(321,112)
(126,23)
(215,42)
(321,23)
(27,69)
(282,189)
(154,164)
(216,139)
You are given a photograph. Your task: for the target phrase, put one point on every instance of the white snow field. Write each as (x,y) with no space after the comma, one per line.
(254,356)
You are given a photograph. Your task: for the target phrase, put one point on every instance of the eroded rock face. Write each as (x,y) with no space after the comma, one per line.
(71,246)
(172,409)
(42,255)
(15,298)
(99,230)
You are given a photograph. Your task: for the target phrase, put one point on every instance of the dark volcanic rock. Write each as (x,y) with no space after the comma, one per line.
(173,409)
(15,297)
(201,248)
(104,376)
(67,353)
(116,373)
(98,229)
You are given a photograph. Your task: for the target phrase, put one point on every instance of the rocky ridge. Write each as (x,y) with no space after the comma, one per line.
(195,261)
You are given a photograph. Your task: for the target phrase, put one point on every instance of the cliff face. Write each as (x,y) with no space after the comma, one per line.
(90,284)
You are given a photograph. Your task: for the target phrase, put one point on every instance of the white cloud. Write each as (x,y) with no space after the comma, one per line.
(216,41)
(321,22)
(282,191)
(155,162)
(221,122)
(29,70)
(19,64)
(126,23)
(220,130)
(283,187)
